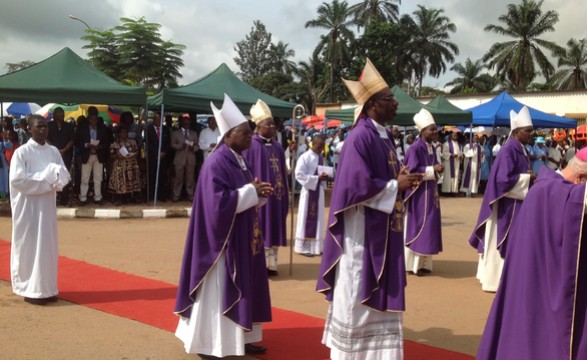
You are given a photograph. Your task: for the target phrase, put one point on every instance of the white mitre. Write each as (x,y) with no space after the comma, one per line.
(228,117)
(521,119)
(423,119)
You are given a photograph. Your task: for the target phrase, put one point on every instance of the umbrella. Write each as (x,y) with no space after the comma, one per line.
(19,109)
(333,123)
(312,120)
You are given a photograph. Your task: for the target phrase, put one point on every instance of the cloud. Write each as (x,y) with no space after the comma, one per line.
(35,30)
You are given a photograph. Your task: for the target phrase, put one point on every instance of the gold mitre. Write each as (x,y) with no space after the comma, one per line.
(370,82)
(260,111)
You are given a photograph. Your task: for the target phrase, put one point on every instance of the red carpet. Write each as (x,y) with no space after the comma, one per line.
(290,336)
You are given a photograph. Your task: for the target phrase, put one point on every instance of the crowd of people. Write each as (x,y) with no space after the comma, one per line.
(384,220)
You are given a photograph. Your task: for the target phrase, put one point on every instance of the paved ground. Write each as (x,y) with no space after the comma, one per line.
(446,309)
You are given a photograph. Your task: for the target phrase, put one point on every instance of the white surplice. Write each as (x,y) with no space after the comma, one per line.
(305,174)
(471,159)
(208,331)
(37,172)
(206,138)
(354,331)
(490,262)
(451,184)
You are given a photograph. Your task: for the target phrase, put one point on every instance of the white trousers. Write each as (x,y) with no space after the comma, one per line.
(96,167)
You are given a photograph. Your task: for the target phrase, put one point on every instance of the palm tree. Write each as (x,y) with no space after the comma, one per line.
(336,19)
(471,78)
(430,45)
(281,55)
(310,74)
(575,58)
(515,60)
(368,11)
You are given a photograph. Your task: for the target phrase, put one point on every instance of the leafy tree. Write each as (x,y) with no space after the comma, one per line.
(311,75)
(12,67)
(255,56)
(281,55)
(135,53)
(279,85)
(471,78)
(431,44)
(367,12)
(336,19)
(574,60)
(516,60)
(388,46)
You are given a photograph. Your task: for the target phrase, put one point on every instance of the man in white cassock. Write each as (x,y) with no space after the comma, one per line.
(452,155)
(209,137)
(310,229)
(37,173)
(508,183)
(474,156)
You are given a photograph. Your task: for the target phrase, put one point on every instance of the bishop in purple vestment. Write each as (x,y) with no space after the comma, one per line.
(223,282)
(508,183)
(267,159)
(423,233)
(539,311)
(362,272)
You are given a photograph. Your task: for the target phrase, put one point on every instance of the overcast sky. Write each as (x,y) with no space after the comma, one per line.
(36,29)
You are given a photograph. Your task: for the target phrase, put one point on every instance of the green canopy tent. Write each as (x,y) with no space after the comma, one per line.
(212,87)
(443,114)
(67,78)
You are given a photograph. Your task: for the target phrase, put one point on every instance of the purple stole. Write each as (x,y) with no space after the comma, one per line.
(423,228)
(539,311)
(312,206)
(451,149)
(214,228)
(467,175)
(267,161)
(367,163)
(511,161)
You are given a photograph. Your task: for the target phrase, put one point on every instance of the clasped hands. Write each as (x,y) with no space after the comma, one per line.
(263,189)
(408,181)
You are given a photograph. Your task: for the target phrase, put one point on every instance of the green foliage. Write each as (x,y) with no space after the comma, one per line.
(255,56)
(368,12)
(516,60)
(135,53)
(471,78)
(335,46)
(12,67)
(572,62)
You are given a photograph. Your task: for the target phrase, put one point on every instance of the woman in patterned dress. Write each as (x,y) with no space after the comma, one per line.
(125,175)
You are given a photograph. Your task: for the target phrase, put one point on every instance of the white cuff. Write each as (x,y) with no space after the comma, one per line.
(247,198)
(385,200)
(520,190)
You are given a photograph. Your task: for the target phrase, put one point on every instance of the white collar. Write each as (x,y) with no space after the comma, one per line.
(382,130)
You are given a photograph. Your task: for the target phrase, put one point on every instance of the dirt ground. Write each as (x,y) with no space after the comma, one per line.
(446,309)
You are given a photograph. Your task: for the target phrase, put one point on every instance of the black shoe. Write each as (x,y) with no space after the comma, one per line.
(83,203)
(255,349)
(271,272)
(209,357)
(308,255)
(53,299)
(98,202)
(33,301)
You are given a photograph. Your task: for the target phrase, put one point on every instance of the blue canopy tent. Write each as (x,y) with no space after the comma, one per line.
(496,112)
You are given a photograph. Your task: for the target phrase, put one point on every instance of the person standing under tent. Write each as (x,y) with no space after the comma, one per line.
(452,155)
(474,156)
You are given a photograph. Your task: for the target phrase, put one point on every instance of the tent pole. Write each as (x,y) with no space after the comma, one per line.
(146,146)
(471,162)
(159,155)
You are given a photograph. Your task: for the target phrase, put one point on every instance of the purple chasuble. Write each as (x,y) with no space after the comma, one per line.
(423,227)
(468,172)
(216,227)
(267,160)
(511,161)
(367,163)
(539,309)
(311,221)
